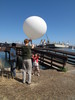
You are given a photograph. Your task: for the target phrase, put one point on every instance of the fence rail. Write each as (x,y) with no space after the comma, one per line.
(51,57)
(70,55)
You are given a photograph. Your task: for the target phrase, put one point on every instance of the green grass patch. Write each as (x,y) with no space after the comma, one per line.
(63,69)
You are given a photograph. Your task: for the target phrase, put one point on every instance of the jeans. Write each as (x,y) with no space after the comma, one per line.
(13,68)
(27,67)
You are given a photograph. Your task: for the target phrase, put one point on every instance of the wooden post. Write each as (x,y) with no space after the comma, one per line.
(6,55)
(51,60)
(9,55)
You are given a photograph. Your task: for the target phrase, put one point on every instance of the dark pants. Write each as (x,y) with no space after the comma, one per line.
(13,68)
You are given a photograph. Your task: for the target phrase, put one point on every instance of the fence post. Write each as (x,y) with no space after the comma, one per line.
(51,60)
(6,55)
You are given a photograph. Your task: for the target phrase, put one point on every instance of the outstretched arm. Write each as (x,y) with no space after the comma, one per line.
(32,46)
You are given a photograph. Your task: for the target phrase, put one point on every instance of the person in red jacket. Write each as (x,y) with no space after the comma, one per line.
(35,64)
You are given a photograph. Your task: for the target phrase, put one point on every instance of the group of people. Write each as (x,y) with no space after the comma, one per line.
(29,61)
(43,42)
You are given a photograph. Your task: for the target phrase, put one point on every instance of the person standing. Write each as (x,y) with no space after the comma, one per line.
(27,63)
(44,42)
(13,60)
(35,64)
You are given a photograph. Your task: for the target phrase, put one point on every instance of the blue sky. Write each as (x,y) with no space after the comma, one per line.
(58,14)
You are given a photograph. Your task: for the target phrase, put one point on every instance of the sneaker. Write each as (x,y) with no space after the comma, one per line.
(38,75)
(32,74)
(28,83)
(23,82)
(13,77)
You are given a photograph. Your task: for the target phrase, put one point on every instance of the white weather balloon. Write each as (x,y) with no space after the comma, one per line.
(34,27)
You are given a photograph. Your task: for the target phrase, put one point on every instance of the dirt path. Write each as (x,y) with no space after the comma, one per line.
(51,85)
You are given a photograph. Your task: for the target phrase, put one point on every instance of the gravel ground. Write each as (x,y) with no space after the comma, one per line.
(50,85)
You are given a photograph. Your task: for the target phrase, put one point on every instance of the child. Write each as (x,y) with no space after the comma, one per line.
(13,60)
(35,64)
